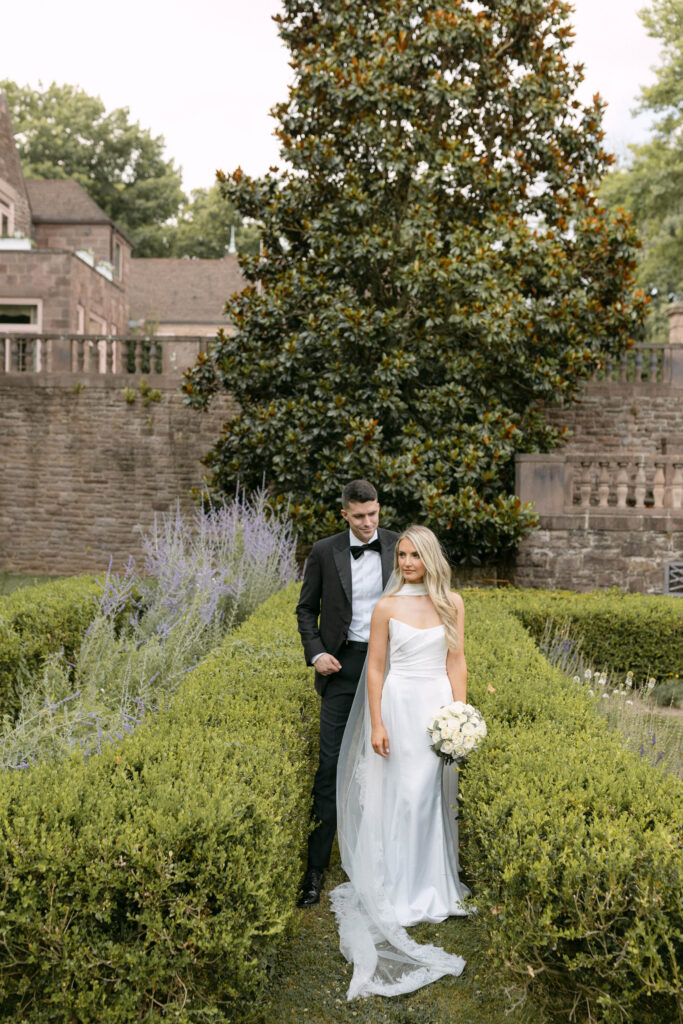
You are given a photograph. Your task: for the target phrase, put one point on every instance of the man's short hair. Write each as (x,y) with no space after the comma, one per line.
(358,491)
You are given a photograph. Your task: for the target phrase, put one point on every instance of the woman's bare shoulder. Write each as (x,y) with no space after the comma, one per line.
(457,601)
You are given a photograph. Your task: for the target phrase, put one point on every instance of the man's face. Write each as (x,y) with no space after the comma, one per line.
(362,517)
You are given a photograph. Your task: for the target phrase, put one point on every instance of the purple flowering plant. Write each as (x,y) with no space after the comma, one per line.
(202,575)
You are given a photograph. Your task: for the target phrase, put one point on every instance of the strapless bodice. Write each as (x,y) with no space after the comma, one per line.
(416,651)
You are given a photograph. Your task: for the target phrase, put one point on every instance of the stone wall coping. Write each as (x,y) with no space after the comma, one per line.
(93,381)
(611,519)
(628,389)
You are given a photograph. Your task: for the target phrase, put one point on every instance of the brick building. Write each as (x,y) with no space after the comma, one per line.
(66,267)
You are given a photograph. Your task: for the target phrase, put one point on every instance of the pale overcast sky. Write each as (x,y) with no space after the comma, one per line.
(205,74)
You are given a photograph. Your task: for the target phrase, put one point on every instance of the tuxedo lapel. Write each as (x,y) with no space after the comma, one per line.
(342,560)
(387,556)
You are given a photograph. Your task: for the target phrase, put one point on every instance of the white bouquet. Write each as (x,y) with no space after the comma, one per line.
(456,731)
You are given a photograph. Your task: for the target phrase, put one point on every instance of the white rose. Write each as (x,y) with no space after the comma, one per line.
(468,729)
(457,706)
(447,747)
(436,735)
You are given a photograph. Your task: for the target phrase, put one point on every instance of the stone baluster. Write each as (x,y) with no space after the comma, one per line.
(109,359)
(641,485)
(153,350)
(623,366)
(585,484)
(659,486)
(654,365)
(603,485)
(638,375)
(608,367)
(622,485)
(677,486)
(138,355)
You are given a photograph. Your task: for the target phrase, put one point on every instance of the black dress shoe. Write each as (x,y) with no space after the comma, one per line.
(310,890)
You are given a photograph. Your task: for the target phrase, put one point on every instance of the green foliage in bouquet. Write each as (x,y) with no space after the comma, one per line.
(38,621)
(638,633)
(570,841)
(435,267)
(155,880)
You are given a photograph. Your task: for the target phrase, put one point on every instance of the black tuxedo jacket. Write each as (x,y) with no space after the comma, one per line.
(324,609)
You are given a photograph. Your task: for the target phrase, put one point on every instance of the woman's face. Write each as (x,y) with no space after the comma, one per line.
(409,562)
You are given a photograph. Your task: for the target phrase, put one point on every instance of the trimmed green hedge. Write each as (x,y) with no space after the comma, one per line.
(641,633)
(154,881)
(157,880)
(571,843)
(37,621)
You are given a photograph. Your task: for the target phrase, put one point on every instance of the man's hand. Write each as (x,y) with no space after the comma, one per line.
(326,664)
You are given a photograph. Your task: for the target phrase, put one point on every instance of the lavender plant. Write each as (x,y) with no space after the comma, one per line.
(202,576)
(629,709)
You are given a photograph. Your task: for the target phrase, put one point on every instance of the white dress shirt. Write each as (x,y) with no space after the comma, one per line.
(366,588)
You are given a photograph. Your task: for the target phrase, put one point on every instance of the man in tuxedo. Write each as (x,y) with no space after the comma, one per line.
(343,579)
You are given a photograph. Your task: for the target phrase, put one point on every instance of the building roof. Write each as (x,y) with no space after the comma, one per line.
(10,165)
(63,201)
(182,291)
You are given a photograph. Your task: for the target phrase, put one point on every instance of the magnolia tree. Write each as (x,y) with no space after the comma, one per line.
(435,266)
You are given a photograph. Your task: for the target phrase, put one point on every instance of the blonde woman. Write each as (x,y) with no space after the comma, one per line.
(398,846)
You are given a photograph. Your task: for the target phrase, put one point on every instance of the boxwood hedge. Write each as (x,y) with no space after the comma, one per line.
(571,843)
(37,621)
(157,880)
(641,633)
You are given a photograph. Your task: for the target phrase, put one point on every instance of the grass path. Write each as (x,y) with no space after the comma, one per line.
(311,978)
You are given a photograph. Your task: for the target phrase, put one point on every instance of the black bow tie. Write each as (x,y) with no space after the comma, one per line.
(358,549)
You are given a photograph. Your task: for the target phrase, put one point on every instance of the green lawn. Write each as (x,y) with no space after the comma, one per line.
(311,978)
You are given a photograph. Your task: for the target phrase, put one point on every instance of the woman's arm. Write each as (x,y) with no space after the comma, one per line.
(456,666)
(377,659)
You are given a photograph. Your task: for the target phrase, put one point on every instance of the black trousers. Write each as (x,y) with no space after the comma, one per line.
(334,712)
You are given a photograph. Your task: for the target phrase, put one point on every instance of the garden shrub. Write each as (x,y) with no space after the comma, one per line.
(639,633)
(155,880)
(571,842)
(37,621)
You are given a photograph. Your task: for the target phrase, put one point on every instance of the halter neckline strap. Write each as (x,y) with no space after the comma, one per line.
(411,590)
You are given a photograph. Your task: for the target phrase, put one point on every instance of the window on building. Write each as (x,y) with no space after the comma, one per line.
(21,315)
(6,216)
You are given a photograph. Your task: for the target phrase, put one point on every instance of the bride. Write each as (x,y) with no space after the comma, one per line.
(397,840)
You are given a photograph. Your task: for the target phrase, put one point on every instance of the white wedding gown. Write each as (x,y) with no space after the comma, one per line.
(397,833)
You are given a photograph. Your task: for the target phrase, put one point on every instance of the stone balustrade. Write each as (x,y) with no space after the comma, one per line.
(636,482)
(623,482)
(96,354)
(644,364)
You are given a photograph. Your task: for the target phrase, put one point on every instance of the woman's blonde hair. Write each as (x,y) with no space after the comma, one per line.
(437,577)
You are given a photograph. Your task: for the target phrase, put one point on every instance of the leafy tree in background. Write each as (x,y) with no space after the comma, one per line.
(651,187)
(435,266)
(203,227)
(61,132)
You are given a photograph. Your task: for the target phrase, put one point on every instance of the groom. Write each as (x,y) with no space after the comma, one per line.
(343,579)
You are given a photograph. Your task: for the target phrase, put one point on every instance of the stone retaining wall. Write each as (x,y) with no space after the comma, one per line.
(80,467)
(592,549)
